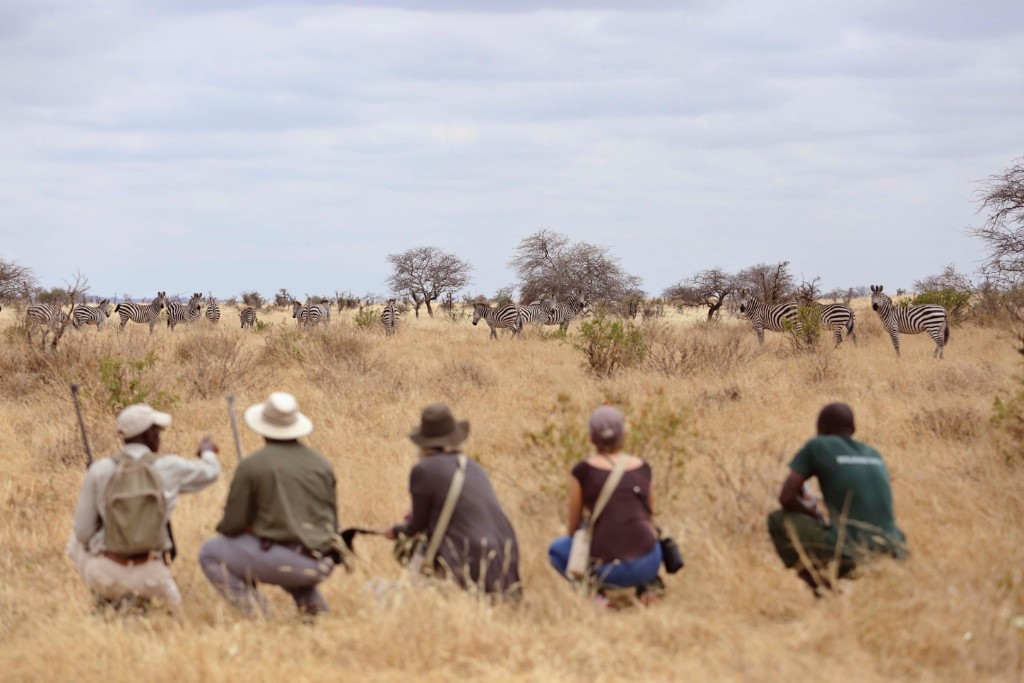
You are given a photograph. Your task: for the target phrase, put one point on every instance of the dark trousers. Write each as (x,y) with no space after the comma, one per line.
(788,530)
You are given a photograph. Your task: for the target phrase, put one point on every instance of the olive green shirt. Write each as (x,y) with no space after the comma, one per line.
(284,492)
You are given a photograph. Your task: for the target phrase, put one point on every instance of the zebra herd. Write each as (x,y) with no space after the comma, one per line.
(514,316)
(838,318)
(929,318)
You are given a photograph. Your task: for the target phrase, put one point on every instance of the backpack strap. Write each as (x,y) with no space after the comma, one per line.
(606,491)
(454,490)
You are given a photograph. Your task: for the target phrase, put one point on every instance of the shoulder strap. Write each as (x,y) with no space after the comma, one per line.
(454,490)
(606,491)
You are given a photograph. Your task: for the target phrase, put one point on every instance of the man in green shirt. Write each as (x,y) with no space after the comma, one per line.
(281,517)
(855,485)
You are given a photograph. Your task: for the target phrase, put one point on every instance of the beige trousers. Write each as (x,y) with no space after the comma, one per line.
(112,581)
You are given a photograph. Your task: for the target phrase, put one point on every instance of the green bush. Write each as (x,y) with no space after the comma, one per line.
(1008,420)
(366,318)
(956,302)
(610,344)
(131,380)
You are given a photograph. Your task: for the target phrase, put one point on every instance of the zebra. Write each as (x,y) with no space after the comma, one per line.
(389,318)
(248,317)
(314,314)
(835,317)
(185,313)
(538,313)
(50,318)
(508,317)
(776,317)
(90,315)
(299,313)
(563,313)
(930,318)
(213,311)
(142,313)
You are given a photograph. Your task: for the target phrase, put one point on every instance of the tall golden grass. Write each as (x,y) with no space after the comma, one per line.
(953,612)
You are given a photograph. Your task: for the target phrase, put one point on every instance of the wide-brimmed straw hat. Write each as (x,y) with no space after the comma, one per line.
(439,428)
(278,417)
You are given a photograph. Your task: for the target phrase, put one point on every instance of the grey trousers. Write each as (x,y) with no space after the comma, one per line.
(236,566)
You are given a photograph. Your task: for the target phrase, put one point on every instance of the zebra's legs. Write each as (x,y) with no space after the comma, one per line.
(895,341)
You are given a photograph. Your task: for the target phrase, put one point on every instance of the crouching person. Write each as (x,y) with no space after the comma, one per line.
(615,488)
(469,540)
(121,542)
(281,517)
(855,484)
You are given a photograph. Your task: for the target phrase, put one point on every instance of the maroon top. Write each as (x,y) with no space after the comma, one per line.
(624,530)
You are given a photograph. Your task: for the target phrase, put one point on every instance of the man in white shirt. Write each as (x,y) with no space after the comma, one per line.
(111,576)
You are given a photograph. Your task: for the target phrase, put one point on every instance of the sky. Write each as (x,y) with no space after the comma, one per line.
(230,145)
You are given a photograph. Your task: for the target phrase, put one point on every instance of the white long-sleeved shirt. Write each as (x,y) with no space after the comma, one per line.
(177,474)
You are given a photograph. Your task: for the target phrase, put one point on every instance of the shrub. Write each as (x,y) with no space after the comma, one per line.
(1008,420)
(710,348)
(610,344)
(956,302)
(367,318)
(132,380)
(212,363)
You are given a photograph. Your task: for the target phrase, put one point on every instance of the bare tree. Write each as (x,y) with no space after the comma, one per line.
(548,264)
(707,288)
(771,283)
(16,280)
(1002,195)
(426,273)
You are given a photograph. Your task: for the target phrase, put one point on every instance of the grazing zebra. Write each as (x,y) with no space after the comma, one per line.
(90,315)
(930,318)
(142,313)
(248,317)
(835,317)
(775,318)
(185,313)
(507,316)
(213,311)
(389,318)
(50,318)
(562,313)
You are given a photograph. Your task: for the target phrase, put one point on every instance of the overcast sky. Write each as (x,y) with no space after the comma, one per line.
(222,145)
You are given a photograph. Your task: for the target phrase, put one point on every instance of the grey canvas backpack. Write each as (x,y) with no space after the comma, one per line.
(136,507)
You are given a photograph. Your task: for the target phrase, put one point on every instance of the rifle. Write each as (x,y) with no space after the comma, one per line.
(81,426)
(234,427)
(349,535)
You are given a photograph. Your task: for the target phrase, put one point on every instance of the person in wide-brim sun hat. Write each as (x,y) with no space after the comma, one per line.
(438,428)
(278,418)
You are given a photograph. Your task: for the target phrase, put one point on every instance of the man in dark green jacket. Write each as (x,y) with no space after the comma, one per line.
(855,484)
(281,518)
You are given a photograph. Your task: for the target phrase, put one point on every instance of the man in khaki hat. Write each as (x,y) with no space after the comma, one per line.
(115,560)
(281,518)
(474,544)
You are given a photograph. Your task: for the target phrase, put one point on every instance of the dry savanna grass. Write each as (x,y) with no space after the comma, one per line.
(717,416)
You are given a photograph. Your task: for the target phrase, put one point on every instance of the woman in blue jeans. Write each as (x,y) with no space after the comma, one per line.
(624,548)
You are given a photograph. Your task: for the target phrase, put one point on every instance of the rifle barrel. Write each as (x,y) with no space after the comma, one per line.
(81,426)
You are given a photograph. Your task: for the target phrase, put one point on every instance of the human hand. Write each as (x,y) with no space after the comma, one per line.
(389,533)
(207,444)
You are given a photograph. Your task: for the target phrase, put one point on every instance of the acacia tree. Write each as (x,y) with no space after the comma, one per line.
(548,265)
(16,281)
(771,283)
(1002,195)
(707,288)
(426,273)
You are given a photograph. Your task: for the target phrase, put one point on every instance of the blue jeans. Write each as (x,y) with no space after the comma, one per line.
(618,573)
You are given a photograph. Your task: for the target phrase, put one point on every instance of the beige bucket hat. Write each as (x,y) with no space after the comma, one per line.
(438,427)
(139,417)
(278,417)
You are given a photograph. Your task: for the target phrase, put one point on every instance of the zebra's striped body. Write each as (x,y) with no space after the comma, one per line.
(563,312)
(299,313)
(507,317)
(311,315)
(213,311)
(51,318)
(89,315)
(389,318)
(930,318)
(248,317)
(835,317)
(538,313)
(776,318)
(142,313)
(185,313)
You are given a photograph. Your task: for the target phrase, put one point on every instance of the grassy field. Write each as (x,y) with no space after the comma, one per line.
(719,431)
